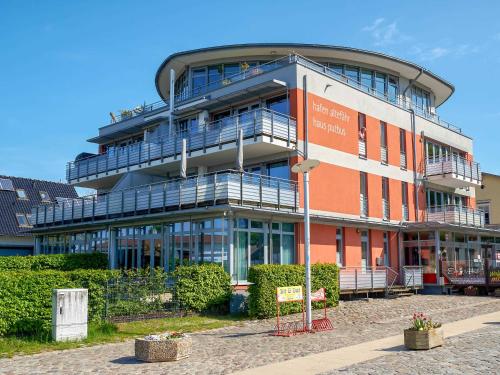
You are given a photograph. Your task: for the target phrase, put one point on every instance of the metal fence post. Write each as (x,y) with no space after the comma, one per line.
(356,279)
(272,126)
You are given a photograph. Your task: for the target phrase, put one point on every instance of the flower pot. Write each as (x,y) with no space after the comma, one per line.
(163,350)
(423,340)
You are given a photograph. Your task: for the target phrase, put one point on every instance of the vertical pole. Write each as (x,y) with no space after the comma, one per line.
(307,250)
(172,101)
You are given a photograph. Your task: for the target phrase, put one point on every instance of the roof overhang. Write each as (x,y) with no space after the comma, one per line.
(178,62)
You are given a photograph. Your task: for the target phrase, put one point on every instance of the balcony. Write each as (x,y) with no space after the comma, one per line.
(280,130)
(220,188)
(454,214)
(453,171)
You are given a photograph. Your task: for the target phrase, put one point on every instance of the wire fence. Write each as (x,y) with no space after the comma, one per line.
(133,298)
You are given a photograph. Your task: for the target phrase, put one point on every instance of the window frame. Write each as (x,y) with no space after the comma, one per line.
(41,193)
(24,198)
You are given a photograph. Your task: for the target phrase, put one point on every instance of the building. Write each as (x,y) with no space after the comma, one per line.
(488,199)
(395,187)
(18,196)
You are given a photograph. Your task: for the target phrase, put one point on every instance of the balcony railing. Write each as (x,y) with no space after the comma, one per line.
(398,101)
(353,279)
(363,205)
(413,277)
(249,72)
(455,214)
(226,187)
(138,111)
(254,123)
(460,168)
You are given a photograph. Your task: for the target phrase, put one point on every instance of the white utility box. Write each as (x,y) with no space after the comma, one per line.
(69,314)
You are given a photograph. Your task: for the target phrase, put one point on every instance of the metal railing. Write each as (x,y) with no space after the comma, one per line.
(455,214)
(471,272)
(217,133)
(458,166)
(138,111)
(226,187)
(249,72)
(402,160)
(367,278)
(413,277)
(363,206)
(386,214)
(383,154)
(399,101)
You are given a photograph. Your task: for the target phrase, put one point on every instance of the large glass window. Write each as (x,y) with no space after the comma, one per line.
(199,81)
(279,104)
(392,89)
(366,80)
(352,74)
(279,170)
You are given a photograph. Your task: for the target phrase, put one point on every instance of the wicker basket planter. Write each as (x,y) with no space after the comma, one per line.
(423,340)
(163,350)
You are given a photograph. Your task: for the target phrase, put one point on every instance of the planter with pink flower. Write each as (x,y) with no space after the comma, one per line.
(424,334)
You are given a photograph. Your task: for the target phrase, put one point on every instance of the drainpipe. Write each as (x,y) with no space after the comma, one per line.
(414,144)
(410,83)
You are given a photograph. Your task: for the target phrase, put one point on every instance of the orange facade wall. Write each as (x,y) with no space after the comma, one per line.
(336,126)
(323,243)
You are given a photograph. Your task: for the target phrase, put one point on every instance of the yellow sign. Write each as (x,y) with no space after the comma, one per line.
(289,293)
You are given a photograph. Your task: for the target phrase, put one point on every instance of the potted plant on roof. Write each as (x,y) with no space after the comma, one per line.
(423,334)
(163,348)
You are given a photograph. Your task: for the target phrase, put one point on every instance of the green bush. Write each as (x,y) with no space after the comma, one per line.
(202,287)
(61,262)
(266,278)
(26,297)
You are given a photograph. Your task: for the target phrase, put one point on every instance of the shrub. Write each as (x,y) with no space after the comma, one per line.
(266,278)
(61,262)
(26,297)
(202,287)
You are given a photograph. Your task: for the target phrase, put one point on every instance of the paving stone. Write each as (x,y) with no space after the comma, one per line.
(229,349)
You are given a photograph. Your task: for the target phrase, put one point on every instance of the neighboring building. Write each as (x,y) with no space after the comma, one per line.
(488,199)
(18,196)
(396,184)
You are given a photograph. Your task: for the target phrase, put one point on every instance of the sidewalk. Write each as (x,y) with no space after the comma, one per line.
(347,356)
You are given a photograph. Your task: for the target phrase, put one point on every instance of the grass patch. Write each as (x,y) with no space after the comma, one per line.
(108,333)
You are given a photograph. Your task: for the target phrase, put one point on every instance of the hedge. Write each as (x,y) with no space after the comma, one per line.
(202,287)
(266,278)
(61,262)
(26,297)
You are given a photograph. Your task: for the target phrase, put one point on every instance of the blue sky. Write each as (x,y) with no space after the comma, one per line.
(64,65)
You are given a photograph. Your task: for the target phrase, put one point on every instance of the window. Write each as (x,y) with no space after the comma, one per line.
(404,200)
(392,90)
(366,80)
(22,220)
(420,99)
(340,248)
(386,249)
(363,194)
(402,148)
(383,142)
(362,134)
(44,196)
(6,184)
(199,81)
(352,74)
(486,208)
(278,104)
(385,198)
(365,250)
(21,194)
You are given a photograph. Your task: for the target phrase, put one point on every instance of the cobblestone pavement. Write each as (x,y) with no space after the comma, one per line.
(226,350)
(476,352)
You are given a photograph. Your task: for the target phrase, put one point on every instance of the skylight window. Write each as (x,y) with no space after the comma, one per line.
(23,220)
(6,184)
(45,196)
(21,194)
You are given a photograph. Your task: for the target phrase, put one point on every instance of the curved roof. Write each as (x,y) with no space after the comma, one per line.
(177,61)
